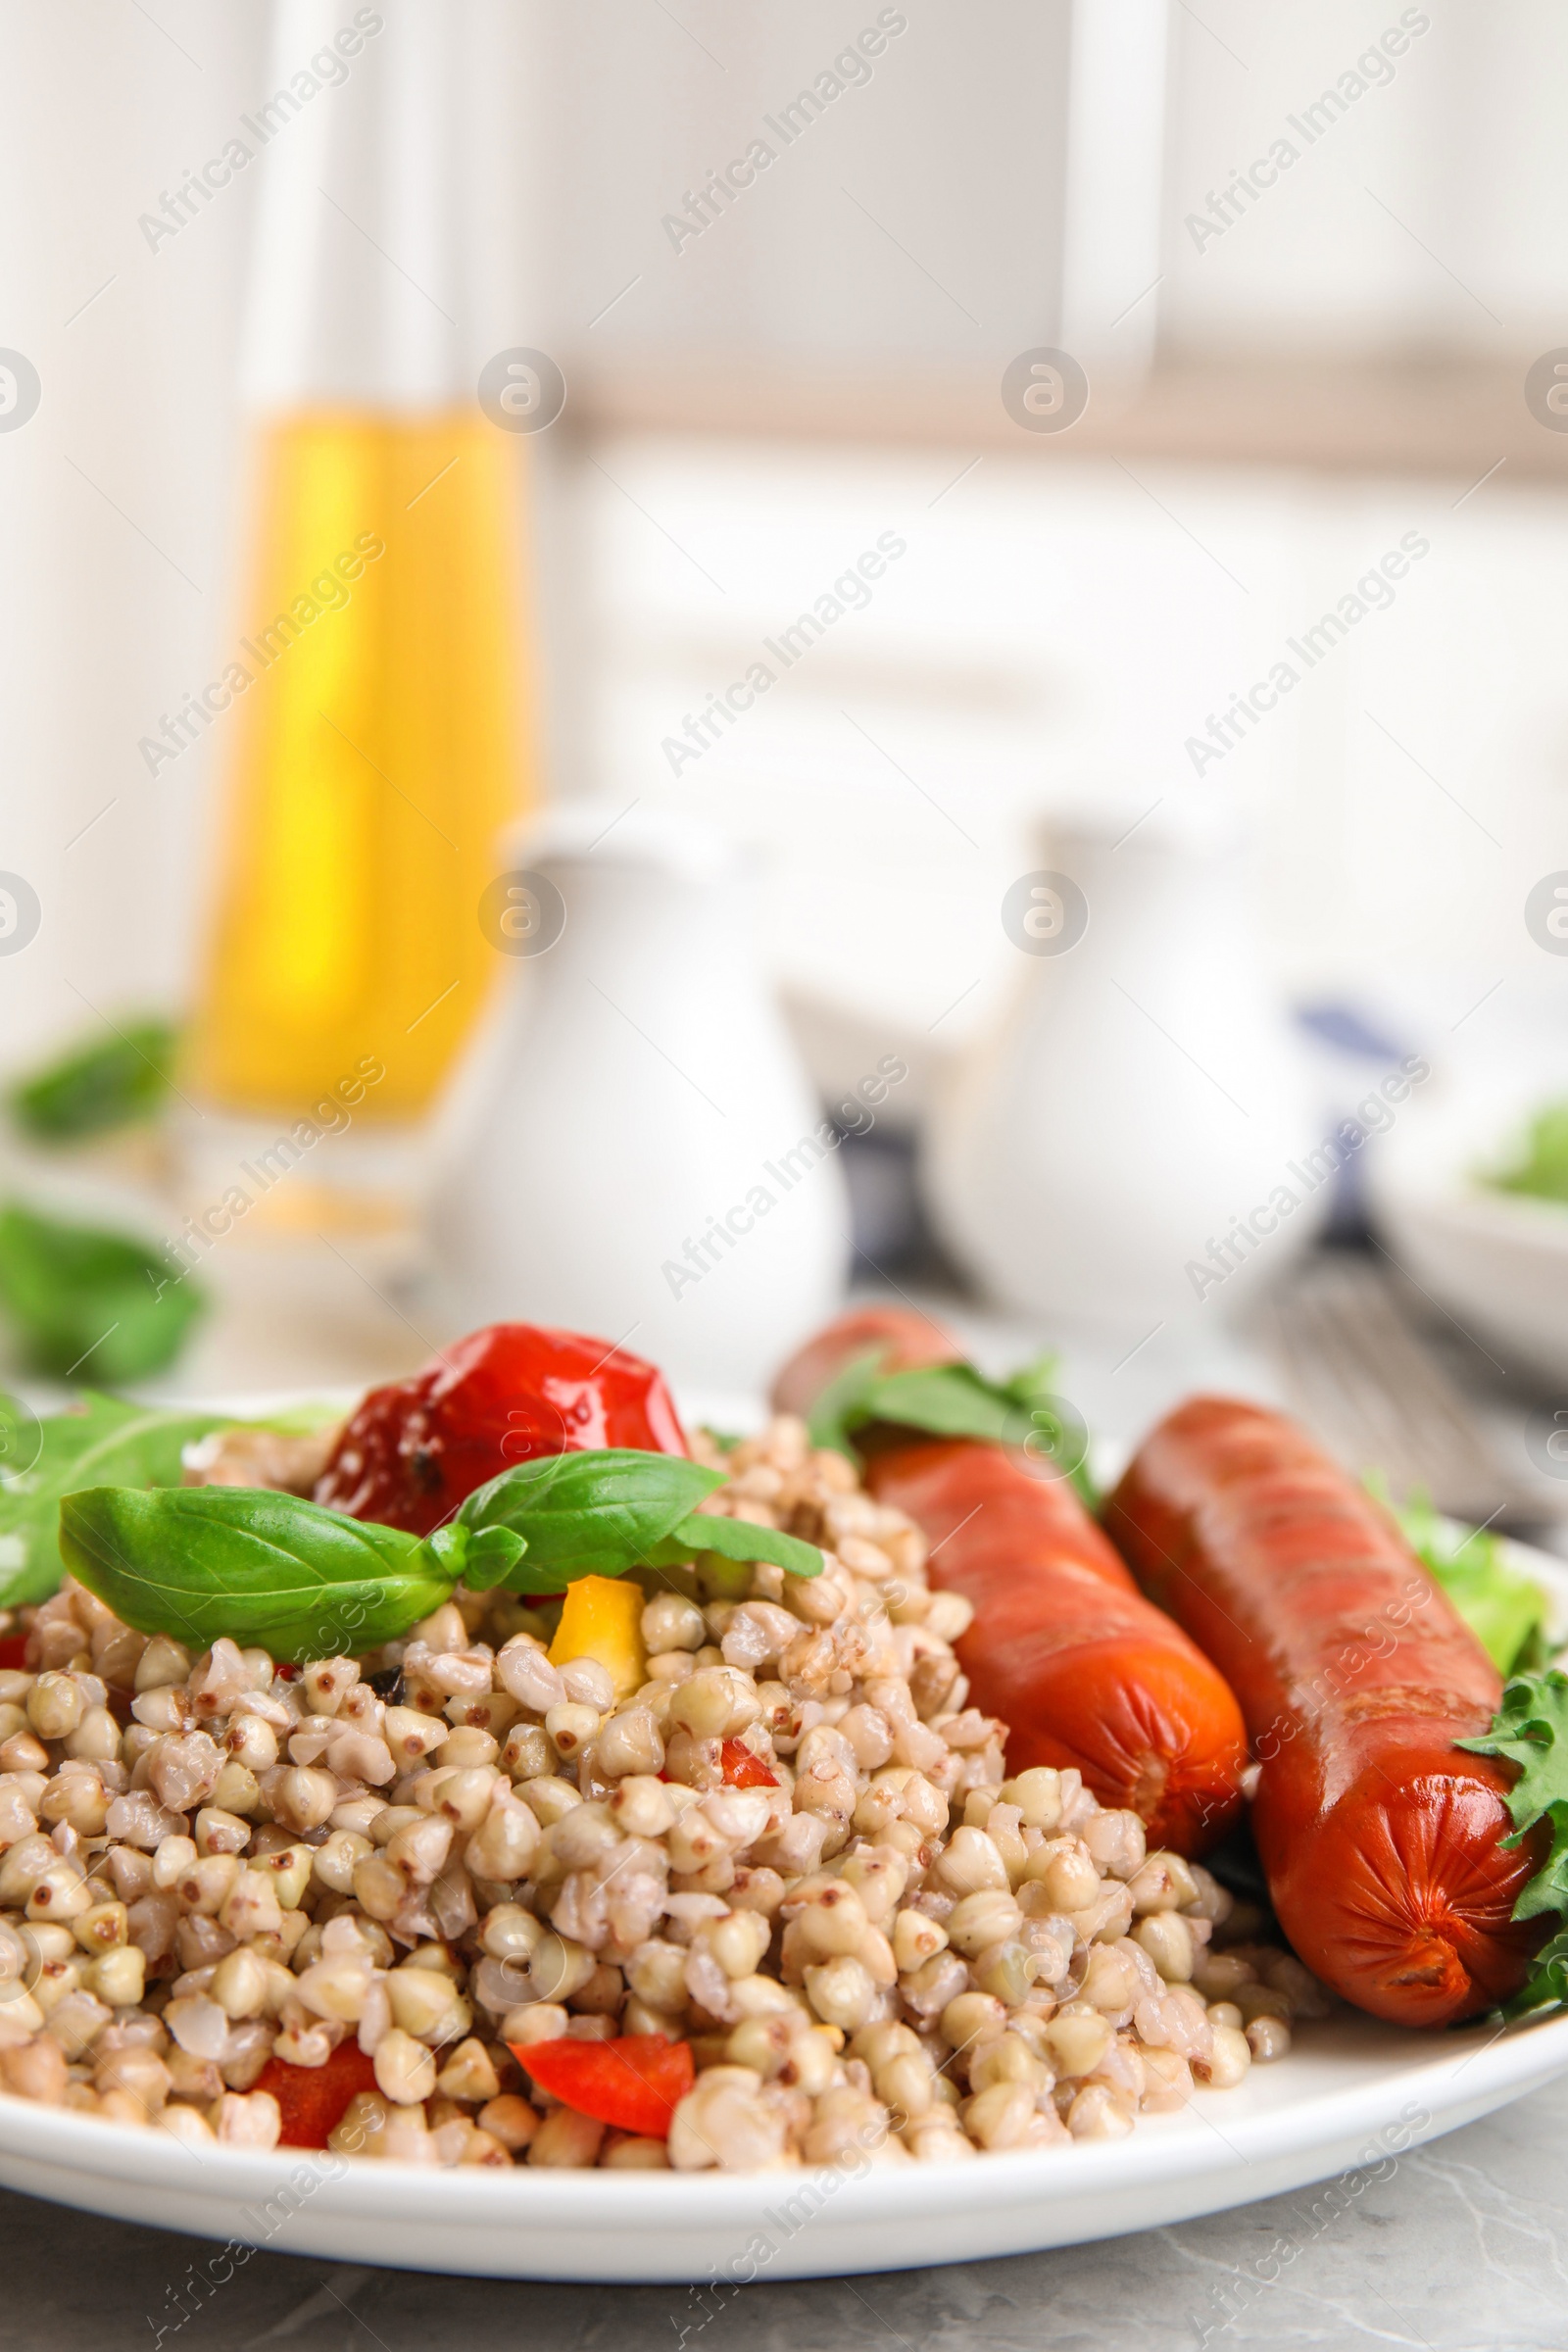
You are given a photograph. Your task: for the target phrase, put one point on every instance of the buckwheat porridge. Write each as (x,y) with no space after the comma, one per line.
(783,1873)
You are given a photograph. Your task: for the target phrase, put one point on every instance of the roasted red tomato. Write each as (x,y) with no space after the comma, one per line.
(312,2099)
(507,1395)
(634,2083)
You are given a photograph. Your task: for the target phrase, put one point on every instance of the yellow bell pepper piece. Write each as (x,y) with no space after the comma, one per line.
(602,1620)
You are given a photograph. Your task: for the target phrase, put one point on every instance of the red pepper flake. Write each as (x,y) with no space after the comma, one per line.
(314,2099)
(741,1769)
(287,1674)
(634,2083)
(13,1650)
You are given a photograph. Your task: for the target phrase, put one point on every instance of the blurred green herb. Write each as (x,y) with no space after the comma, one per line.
(1542,1167)
(75,1294)
(1504,1610)
(98,1087)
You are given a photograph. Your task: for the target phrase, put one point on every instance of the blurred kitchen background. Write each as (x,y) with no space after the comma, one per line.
(1067,878)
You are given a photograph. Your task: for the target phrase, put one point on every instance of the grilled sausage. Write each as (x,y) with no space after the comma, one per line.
(1378,1838)
(1062,1647)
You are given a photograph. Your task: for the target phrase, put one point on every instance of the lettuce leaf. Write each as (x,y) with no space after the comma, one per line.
(1504,1610)
(1531,1730)
(101,1442)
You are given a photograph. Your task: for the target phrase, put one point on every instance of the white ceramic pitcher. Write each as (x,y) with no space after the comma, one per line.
(1118,1155)
(633,1148)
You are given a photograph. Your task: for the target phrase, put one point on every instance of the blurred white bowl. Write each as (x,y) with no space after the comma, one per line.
(1496,1261)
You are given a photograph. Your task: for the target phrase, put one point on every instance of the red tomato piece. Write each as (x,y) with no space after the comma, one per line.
(311,2099)
(634,2083)
(13,1650)
(743,1770)
(505,1395)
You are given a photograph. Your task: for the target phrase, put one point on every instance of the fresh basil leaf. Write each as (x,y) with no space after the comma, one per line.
(737,1539)
(101,1442)
(843,1403)
(954,1401)
(77,1296)
(586,1514)
(99,1086)
(268,1569)
(478,1559)
(1036,1380)
(1058,1435)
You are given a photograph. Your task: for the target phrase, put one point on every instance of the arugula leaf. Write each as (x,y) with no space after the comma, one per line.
(263,1568)
(98,1086)
(1504,1610)
(1548,1891)
(954,1401)
(102,1441)
(76,1294)
(1527,1729)
(1531,1730)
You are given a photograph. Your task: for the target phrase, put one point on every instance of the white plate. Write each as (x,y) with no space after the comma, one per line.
(1352,2092)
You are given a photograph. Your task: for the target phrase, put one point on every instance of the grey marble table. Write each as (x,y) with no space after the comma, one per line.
(1464,2248)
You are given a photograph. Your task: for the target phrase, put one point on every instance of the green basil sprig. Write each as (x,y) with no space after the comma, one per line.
(599,1513)
(736,1540)
(954,1401)
(306,1583)
(263,1568)
(591,1513)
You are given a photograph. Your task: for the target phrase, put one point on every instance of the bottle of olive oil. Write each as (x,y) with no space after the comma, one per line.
(372,748)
